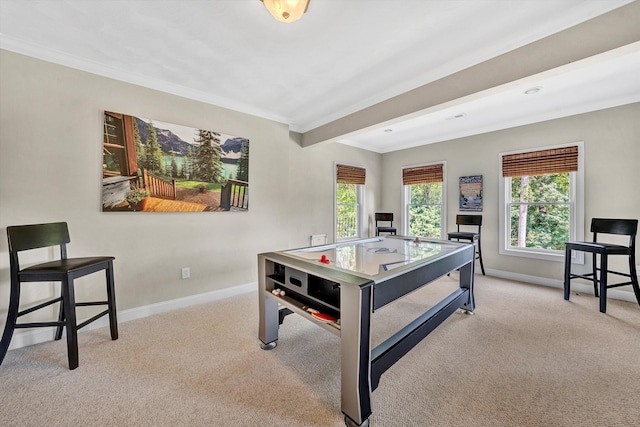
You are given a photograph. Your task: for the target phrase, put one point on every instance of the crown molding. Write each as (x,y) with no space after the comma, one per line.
(61,58)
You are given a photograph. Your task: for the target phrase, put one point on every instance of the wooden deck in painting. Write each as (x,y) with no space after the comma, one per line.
(164,205)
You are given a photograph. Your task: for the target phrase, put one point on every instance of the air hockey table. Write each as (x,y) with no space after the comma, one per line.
(339,287)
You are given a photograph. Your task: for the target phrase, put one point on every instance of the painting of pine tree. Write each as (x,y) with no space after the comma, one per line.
(173,168)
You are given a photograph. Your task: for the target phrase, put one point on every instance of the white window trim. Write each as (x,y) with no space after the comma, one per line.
(360,192)
(576,231)
(406,197)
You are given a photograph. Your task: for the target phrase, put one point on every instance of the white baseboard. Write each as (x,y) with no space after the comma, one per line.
(553,283)
(35,336)
(38,335)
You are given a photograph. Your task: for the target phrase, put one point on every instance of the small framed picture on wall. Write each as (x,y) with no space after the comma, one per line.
(471,193)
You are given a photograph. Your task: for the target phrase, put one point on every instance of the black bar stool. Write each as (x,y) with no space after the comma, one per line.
(385,217)
(625,227)
(472,236)
(65,270)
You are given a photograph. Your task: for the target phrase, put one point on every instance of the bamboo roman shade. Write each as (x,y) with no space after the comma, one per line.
(423,174)
(350,175)
(554,160)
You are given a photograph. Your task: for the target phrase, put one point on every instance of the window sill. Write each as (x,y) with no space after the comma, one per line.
(347,239)
(555,256)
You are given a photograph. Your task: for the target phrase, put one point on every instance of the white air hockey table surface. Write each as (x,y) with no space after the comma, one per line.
(374,257)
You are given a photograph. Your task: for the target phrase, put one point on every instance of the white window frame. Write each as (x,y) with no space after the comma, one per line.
(359,204)
(406,198)
(576,211)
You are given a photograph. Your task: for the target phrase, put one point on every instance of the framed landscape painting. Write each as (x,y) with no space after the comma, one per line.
(154,166)
(471,193)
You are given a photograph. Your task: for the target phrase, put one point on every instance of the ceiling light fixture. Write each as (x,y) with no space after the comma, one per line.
(286,10)
(532,90)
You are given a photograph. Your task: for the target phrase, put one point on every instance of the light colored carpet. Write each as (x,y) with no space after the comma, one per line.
(526,358)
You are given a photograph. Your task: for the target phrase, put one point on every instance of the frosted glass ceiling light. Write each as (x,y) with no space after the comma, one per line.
(286,10)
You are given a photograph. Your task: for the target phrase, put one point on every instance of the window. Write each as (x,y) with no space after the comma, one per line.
(118,149)
(349,189)
(424,200)
(113,153)
(541,201)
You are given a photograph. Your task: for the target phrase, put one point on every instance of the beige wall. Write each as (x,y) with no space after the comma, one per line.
(50,170)
(311,188)
(612,157)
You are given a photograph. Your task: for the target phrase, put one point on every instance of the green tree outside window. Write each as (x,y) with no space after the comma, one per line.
(347,210)
(540,211)
(425,210)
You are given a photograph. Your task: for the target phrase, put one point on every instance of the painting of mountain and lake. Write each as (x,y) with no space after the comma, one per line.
(154,166)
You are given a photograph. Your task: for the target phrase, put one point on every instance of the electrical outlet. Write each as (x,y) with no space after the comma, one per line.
(186,272)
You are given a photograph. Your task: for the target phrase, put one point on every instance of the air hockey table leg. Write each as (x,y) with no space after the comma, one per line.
(269,322)
(467,279)
(350,423)
(269,314)
(355,348)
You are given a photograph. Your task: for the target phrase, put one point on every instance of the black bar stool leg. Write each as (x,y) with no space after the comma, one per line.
(603,283)
(634,278)
(9,327)
(567,273)
(595,272)
(69,302)
(60,316)
(480,257)
(111,298)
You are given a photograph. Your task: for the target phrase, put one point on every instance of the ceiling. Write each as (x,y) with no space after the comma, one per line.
(341,57)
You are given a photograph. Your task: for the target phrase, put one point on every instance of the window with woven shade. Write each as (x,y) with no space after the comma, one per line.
(346,174)
(541,204)
(424,200)
(350,181)
(423,174)
(549,161)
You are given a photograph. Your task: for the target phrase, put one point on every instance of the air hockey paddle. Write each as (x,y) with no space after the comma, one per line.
(324,317)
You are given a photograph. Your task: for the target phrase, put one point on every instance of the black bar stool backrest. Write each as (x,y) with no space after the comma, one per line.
(384,217)
(627,227)
(25,237)
(468,220)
